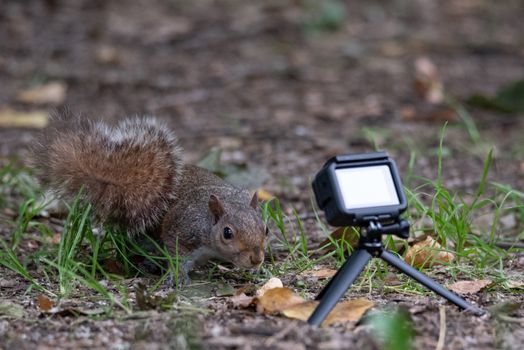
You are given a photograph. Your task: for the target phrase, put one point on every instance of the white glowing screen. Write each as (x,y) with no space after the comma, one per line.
(366,187)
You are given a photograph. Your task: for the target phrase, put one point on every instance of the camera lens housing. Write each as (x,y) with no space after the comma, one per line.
(355,189)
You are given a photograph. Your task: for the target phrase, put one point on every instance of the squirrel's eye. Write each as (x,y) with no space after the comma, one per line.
(267,230)
(228,233)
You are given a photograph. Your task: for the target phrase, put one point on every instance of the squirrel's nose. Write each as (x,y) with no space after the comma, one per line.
(257,258)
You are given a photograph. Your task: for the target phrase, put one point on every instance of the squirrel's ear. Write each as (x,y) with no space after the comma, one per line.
(216,207)
(254,201)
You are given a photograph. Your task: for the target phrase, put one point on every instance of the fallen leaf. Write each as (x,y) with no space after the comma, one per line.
(44,303)
(50,93)
(284,301)
(319,274)
(345,311)
(348,311)
(427,82)
(275,300)
(427,253)
(14,119)
(301,311)
(391,279)
(515,284)
(264,195)
(273,282)
(468,287)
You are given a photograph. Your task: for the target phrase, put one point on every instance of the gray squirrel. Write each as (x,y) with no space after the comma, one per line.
(133,176)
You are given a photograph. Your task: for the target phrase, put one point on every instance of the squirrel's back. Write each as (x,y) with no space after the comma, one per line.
(127,172)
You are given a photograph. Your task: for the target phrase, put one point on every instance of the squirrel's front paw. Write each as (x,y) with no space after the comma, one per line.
(177,281)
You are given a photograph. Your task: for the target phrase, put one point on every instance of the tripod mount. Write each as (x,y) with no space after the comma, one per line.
(370,246)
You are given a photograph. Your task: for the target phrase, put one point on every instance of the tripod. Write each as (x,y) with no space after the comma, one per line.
(370,245)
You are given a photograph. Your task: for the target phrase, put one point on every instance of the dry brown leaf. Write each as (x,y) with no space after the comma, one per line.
(468,287)
(391,279)
(319,274)
(427,253)
(301,311)
(285,301)
(44,303)
(273,282)
(515,284)
(275,300)
(50,93)
(345,311)
(427,81)
(13,119)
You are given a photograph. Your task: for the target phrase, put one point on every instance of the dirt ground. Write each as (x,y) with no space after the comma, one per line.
(279,96)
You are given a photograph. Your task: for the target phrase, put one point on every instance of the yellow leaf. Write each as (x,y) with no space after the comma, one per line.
(319,274)
(301,311)
(427,253)
(51,93)
(275,300)
(468,287)
(345,311)
(13,119)
(264,195)
(273,282)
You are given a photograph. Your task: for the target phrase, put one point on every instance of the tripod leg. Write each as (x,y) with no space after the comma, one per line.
(338,285)
(407,269)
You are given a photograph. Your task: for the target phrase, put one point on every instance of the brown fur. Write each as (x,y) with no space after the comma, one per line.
(128,172)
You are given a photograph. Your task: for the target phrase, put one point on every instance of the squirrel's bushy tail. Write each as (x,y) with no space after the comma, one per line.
(128,172)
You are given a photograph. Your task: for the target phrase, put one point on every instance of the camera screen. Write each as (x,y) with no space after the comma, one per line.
(368,186)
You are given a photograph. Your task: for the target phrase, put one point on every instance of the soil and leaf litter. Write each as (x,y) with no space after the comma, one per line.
(277,88)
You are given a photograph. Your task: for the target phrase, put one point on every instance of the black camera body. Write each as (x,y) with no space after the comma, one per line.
(355,189)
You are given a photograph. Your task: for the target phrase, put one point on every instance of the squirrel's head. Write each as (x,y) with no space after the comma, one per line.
(238,233)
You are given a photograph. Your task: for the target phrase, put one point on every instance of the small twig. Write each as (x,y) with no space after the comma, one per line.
(442,333)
